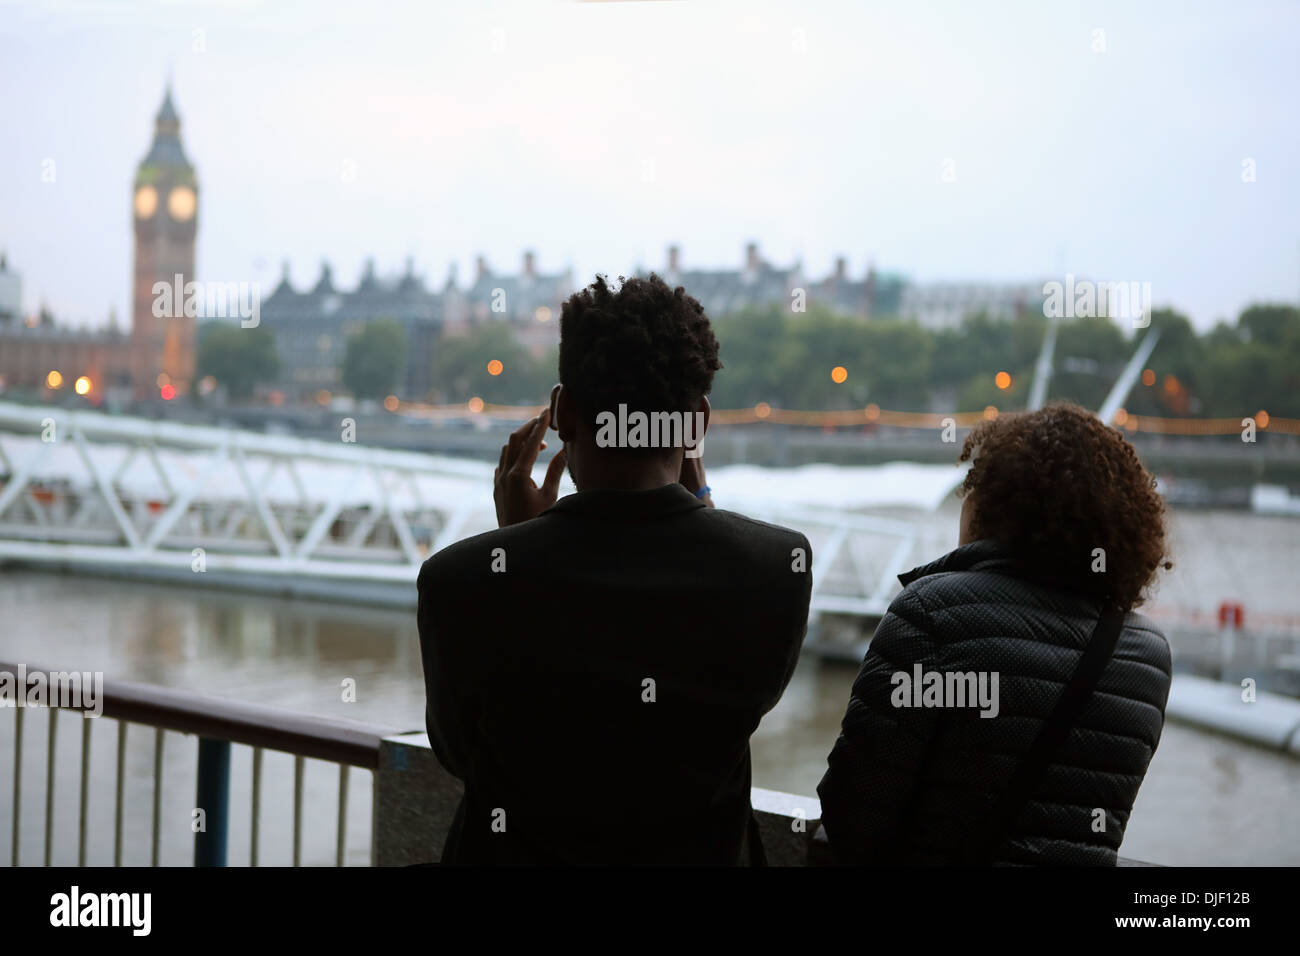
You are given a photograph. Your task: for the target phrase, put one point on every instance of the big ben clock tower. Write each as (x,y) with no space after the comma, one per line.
(165,208)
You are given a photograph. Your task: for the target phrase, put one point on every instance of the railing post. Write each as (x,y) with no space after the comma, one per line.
(18,783)
(213,798)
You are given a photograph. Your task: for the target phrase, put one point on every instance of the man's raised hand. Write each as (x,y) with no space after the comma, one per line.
(516,494)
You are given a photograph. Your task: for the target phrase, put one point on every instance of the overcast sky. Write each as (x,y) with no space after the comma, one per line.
(599,133)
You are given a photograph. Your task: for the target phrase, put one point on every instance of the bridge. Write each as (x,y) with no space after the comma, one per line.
(225,507)
(212,506)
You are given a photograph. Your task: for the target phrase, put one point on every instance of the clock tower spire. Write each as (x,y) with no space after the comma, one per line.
(165,215)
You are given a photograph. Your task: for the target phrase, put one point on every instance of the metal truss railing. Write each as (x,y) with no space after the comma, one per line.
(85,488)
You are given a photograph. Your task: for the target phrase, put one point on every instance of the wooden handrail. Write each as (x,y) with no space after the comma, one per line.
(324,738)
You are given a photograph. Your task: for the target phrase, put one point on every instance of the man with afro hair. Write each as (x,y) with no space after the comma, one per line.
(594,668)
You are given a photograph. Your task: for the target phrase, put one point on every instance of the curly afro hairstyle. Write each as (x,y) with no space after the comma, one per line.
(645,345)
(1056,484)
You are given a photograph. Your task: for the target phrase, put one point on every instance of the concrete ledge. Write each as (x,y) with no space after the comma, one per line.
(415,801)
(785,821)
(1271,721)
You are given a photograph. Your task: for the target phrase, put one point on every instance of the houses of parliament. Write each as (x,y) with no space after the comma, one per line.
(156,358)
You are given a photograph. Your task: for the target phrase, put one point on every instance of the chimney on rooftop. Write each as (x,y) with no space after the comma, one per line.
(840,269)
(674,258)
(751,256)
(480,268)
(530,264)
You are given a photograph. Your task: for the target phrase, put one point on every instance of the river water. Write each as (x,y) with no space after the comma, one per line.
(1206,800)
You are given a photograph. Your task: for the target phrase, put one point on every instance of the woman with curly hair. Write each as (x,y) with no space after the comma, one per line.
(1011,699)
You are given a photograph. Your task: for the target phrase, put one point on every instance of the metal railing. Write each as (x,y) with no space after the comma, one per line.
(414,798)
(82,486)
(217,723)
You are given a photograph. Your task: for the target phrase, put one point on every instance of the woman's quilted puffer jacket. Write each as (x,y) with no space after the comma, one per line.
(911,785)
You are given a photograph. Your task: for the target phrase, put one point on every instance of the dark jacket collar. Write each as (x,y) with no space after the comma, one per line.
(989,555)
(608,502)
(978,555)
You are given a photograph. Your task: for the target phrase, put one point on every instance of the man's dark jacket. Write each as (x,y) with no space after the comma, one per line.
(594,675)
(912,785)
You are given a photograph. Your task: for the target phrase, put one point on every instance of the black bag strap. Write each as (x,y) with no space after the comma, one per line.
(1029,773)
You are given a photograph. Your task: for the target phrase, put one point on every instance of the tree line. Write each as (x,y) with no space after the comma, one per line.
(786,360)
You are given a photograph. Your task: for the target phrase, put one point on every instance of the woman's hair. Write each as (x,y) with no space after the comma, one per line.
(1069,497)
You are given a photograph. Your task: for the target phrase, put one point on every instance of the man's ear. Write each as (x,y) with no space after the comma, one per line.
(704,408)
(697,426)
(561,413)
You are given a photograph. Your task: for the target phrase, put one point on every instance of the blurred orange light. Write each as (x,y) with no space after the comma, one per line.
(82,386)
(476,404)
(1148,377)
(276,398)
(543,314)
(323,397)
(762,410)
(391,403)
(1261,418)
(1121,416)
(1002,380)
(872,412)
(495,367)
(163,380)
(168,392)
(991,412)
(54,379)
(839,374)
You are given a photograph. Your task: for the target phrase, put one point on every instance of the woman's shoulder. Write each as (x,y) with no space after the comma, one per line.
(973,588)
(1142,639)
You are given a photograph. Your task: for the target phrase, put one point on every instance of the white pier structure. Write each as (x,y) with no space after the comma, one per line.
(215,506)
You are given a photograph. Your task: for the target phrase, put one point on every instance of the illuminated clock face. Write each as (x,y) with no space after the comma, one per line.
(146,202)
(181,203)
